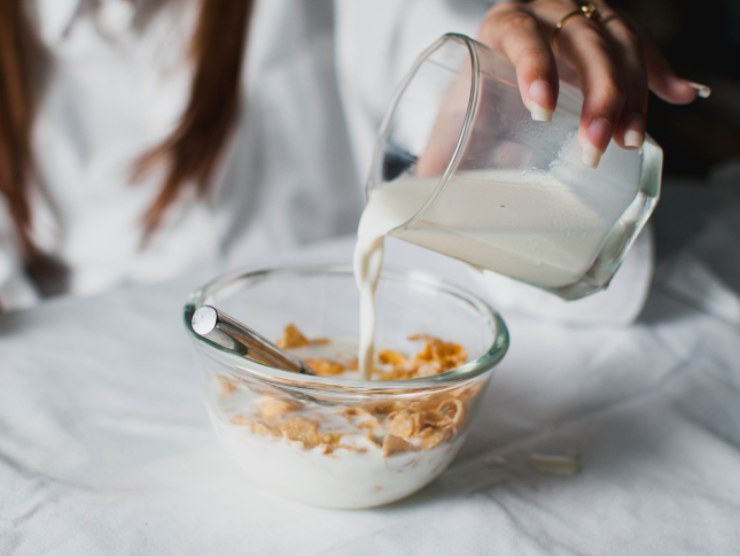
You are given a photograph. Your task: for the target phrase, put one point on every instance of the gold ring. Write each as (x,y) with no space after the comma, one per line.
(589,10)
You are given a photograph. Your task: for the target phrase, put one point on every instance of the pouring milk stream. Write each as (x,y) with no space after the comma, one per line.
(514,196)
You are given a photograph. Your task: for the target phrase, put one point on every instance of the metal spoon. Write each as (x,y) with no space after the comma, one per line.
(226,331)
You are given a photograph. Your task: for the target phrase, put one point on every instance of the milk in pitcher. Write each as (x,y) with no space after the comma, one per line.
(531,227)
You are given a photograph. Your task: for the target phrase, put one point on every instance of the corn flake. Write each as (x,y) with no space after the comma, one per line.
(325,367)
(391,357)
(300,430)
(271,408)
(395,445)
(292,338)
(255,426)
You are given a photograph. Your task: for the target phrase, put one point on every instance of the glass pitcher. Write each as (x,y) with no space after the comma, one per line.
(472,176)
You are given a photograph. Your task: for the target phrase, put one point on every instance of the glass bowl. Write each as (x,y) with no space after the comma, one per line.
(332,441)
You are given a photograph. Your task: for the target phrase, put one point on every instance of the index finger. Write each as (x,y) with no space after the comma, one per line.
(513,31)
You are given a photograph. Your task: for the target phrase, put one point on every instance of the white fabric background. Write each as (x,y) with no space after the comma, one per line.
(105,447)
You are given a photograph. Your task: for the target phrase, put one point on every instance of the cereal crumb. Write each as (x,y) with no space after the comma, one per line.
(391,357)
(438,356)
(255,426)
(394,445)
(300,430)
(325,367)
(271,408)
(292,338)
(373,439)
(226,387)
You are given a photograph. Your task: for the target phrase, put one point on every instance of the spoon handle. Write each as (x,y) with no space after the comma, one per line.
(226,331)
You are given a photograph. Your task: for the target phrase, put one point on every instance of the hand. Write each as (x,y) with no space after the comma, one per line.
(604,55)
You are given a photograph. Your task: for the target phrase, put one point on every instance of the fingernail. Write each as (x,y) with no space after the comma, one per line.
(703,91)
(539,95)
(590,153)
(634,136)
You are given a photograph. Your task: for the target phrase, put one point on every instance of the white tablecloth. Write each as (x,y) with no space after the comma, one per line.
(105,446)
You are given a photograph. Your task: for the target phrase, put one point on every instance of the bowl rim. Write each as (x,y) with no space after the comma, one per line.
(250,369)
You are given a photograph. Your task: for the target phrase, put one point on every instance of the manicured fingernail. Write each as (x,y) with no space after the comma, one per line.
(634,136)
(540,95)
(597,129)
(702,91)
(590,154)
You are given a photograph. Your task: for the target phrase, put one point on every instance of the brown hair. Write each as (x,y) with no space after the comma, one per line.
(190,152)
(15,116)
